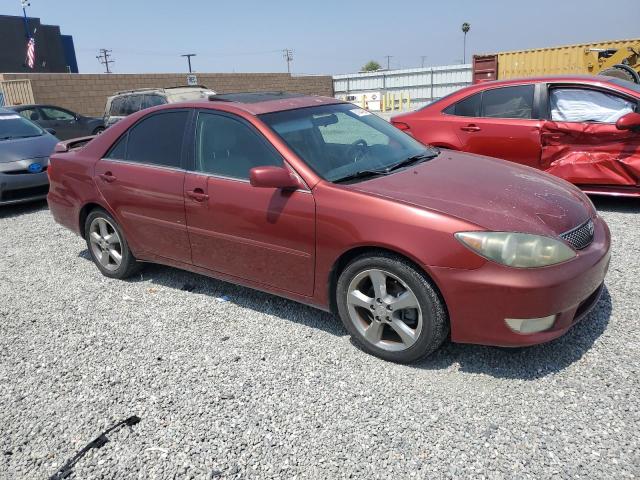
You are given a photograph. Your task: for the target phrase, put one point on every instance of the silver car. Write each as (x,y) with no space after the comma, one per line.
(127,102)
(24,158)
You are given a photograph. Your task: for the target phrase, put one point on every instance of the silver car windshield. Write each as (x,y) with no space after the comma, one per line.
(341,141)
(14,126)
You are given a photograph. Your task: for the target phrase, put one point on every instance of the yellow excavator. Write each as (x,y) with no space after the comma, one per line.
(621,63)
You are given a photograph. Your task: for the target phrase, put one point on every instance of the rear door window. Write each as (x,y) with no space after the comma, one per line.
(468,107)
(133,104)
(508,102)
(156,140)
(152,101)
(585,105)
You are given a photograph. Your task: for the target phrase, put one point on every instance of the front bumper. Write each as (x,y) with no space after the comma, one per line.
(17,185)
(480,300)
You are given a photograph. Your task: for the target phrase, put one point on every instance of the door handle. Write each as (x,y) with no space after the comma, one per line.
(471,128)
(107,177)
(198,195)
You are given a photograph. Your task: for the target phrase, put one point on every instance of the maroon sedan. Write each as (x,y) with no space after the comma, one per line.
(585,129)
(324,203)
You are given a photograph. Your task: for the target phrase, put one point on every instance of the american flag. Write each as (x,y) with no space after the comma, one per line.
(31,52)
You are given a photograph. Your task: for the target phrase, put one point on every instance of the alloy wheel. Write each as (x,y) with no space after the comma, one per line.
(384,310)
(106,244)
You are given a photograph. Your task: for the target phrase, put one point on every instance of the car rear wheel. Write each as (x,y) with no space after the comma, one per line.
(108,247)
(98,130)
(390,308)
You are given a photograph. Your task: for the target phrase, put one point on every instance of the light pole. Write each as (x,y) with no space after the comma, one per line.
(465,28)
(25,4)
(189,55)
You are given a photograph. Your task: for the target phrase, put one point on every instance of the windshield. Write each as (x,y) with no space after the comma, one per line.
(340,141)
(14,126)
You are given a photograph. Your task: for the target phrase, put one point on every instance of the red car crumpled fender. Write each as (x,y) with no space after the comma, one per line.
(591,154)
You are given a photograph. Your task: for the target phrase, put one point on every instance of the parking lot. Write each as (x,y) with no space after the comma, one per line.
(232,383)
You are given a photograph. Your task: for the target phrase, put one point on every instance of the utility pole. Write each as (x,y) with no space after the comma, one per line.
(422,59)
(189,55)
(288,56)
(388,57)
(465,29)
(105,58)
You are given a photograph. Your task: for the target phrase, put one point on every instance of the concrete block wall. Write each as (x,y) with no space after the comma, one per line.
(87,93)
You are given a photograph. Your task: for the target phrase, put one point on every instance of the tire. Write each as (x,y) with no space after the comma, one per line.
(98,131)
(620,73)
(119,261)
(423,323)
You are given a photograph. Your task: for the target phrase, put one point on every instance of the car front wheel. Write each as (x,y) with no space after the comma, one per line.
(390,308)
(108,247)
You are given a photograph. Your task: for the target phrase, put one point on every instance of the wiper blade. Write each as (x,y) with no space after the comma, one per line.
(421,157)
(361,174)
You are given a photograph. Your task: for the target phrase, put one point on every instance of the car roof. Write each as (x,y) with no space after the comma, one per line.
(169,90)
(258,103)
(542,79)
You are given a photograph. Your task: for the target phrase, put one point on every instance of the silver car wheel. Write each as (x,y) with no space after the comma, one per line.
(384,310)
(106,245)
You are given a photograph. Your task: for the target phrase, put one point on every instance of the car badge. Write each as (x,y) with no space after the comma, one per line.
(35,168)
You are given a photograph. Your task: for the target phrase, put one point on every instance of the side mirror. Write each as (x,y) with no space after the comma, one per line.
(273,177)
(51,131)
(630,121)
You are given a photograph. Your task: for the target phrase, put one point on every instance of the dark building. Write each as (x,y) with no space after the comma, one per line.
(55,53)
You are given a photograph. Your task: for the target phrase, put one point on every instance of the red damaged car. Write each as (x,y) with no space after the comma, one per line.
(321,202)
(585,129)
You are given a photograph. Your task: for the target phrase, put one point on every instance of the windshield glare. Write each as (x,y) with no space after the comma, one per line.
(15,126)
(340,140)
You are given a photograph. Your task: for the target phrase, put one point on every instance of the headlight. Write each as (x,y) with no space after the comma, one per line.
(520,250)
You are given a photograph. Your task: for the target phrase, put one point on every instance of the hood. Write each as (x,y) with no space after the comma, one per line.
(491,193)
(23,148)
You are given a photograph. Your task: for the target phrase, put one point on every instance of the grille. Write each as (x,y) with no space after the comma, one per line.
(581,236)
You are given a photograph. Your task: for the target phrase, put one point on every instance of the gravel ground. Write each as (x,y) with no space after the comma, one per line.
(232,383)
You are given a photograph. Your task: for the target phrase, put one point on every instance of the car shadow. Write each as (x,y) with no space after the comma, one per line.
(520,363)
(245,297)
(616,204)
(9,211)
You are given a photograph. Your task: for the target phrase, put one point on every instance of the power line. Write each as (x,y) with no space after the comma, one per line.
(288,56)
(105,58)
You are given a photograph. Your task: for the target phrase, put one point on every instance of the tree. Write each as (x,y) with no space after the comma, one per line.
(371,66)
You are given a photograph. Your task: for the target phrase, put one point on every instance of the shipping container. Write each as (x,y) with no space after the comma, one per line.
(580,59)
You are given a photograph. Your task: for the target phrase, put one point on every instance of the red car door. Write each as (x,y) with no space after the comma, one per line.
(142,179)
(263,235)
(580,141)
(499,122)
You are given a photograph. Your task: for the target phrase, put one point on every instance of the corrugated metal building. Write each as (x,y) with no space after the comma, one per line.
(421,85)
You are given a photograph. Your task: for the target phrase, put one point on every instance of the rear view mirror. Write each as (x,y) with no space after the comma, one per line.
(630,121)
(34,116)
(273,177)
(325,120)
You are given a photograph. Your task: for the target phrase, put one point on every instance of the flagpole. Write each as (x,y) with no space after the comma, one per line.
(26,20)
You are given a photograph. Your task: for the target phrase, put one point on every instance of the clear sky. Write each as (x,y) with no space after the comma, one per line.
(327,36)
